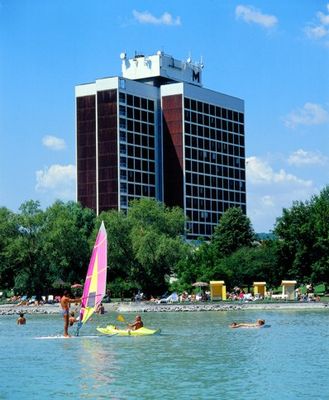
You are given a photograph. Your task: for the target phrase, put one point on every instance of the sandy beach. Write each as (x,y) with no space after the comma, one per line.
(140,307)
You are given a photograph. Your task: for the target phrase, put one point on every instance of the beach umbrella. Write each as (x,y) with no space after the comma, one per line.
(76,286)
(200,284)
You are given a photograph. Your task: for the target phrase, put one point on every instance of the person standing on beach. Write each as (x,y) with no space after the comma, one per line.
(66,300)
(21,320)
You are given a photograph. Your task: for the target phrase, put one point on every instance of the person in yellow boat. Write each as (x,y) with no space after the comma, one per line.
(257,324)
(65,304)
(137,324)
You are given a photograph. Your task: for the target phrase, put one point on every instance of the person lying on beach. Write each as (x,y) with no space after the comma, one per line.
(21,320)
(137,324)
(65,304)
(259,323)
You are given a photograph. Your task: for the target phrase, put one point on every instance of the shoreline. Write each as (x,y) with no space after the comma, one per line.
(142,307)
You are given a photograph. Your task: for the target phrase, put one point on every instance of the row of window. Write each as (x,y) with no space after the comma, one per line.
(216,170)
(195,230)
(137,127)
(203,216)
(200,133)
(213,110)
(213,122)
(137,139)
(131,177)
(215,182)
(136,190)
(141,191)
(136,114)
(206,156)
(208,198)
(208,214)
(136,151)
(135,101)
(137,164)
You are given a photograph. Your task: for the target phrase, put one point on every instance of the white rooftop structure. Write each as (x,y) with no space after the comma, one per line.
(161,66)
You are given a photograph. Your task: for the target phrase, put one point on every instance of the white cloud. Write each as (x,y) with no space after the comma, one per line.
(53,142)
(269,191)
(316,32)
(318,29)
(146,17)
(58,179)
(267,201)
(301,157)
(251,14)
(260,172)
(324,19)
(310,114)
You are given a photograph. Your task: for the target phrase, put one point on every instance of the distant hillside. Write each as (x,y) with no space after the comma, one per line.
(265,236)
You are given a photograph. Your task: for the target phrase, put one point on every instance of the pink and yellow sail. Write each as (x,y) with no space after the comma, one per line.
(95,283)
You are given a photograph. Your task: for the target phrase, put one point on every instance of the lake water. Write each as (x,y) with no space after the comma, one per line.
(195,357)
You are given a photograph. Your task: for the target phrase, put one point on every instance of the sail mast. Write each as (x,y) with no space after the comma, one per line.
(95,283)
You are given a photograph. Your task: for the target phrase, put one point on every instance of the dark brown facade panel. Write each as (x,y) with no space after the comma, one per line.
(107,149)
(172,102)
(173,154)
(86,151)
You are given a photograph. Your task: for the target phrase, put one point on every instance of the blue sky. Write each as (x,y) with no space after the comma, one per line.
(273,54)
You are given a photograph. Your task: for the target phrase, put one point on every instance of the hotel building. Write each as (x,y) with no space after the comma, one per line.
(157,132)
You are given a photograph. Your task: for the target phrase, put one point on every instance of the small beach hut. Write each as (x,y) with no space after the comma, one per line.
(288,289)
(217,290)
(260,289)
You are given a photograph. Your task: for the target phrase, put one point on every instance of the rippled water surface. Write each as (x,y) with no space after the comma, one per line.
(196,357)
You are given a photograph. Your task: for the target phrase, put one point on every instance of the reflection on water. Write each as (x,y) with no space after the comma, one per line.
(98,367)
(196,357)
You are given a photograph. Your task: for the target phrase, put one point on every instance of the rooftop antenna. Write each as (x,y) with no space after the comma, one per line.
(201,63)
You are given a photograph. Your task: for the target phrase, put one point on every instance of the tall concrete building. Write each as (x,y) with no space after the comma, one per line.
(157,132)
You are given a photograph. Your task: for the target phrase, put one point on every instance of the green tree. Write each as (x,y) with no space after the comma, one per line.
(66,248)
(320,225)
(157,242)
(233,232)
(30,274)
(250,264)
(295,230)
(8,235)
(197,265)
(303,231)
(121,258)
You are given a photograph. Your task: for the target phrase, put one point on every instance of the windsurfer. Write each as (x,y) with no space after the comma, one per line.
(66,300)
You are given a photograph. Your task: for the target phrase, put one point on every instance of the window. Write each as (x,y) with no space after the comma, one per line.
(122,111)
(136,101)
(122,97)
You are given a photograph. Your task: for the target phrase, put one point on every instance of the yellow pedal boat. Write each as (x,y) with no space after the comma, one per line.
(112,330)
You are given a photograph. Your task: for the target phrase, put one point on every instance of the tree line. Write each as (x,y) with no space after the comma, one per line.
(43,252)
